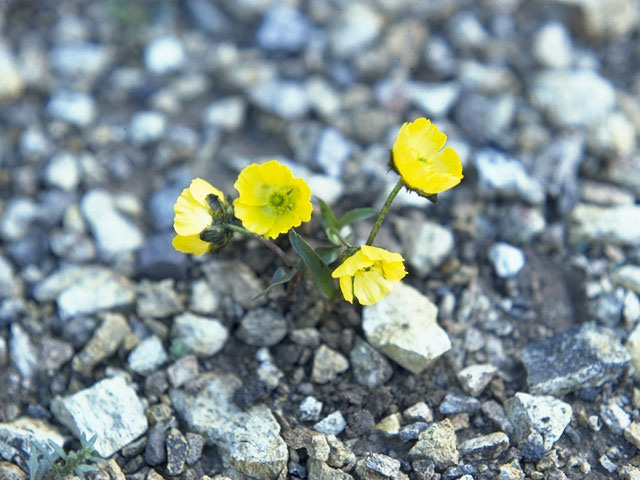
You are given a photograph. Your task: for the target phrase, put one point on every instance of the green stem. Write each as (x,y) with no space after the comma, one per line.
(271,246)
(384,211)
(343,240)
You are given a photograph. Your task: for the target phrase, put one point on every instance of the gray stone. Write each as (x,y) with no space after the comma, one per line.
(466,31)
(356,26)
(208,16)
(105,341)
(76,108)
(3,352)
(403,326)
(286,99)
(630,308)
(110,409)
(183,370)
(147,127)
(434,99)
(63,171)
(310,409)
(606,19)
(147,356)
(507,260)
(177,447)
(494,412)
(9,283)
(307,337)
(24,354)
(92,289)
(552,45)
(382,465)
(283,28)
(484,446)
(453,403)
(157,299)
(574,359)
(561,93)
(164,54)
(18,215)
(544,414)
(203,336)
(511,471)
(247,440)
(226,113)
(268,373)
(426,244)
(262,327)
(419,411)
(332,152)
(499,174)
(54,354)
(412,431)
(390,425)
(475,378)
(25,431)
(327,365)
(628,276)
(34,145)
(332,424)
(243,286)
(438,445)
(370,368)
(596,224)
(114,233)
(632,434)
(614,416)
(80,59)
(204,299)
(321,471)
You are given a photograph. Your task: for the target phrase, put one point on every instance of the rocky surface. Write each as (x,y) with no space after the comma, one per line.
(510,351)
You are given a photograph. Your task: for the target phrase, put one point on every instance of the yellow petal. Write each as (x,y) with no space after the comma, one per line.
(255,219)
(351,265)
(191,217)
(190,244)
(370,287)
(377,253)
(200,189)
(251,186)
(346,286)
(420,138)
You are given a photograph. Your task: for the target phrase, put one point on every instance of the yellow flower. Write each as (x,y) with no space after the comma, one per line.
(271,199)
(420,160)
(199,218)
(369,274)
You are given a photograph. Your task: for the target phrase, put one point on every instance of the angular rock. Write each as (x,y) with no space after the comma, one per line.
(403,327)
(157,299)
(574,359)
(332,424)
(114,233)
(628,276)
(104,343)
(632,434)
(426,244)
(484,446)
(370,368)
(614,416)
(24,354)
(24,431)
(453,403)
(327,365)
(76,108)
(438,445)
(183,370)
(147,356)
(507,260)
(110,409)
(419,411)
(262,327)
(596,224)
(357,26)
(561,93)
(310,409)
(475,378)
(203,336)
(390,425)
(380,464)
(243,286)
(321,471)
(247,440)
(176,452)
(543,414)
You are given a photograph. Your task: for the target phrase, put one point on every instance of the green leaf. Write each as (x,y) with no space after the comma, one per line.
(328,218)
(318,269)
(328,254)
(280,276)
(355,215)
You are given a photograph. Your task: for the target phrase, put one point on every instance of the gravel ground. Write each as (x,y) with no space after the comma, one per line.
(508,352)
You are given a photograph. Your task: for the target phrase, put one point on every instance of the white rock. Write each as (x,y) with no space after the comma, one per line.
(204,336)
(76,108)
(147,126)
(631,308)
(545,414)
(114,233)
(226,113)
(403,326)
(552,45)
(507,260)
(285,98)
(561,95)
(475,378)
(434,99)
(164,54)
(25,431)
(628,276)
(147,356)
(615,134)
(63,171)
(110,410)
(426,244)
(357,26)
(18,214)
(592,223)
(332,424)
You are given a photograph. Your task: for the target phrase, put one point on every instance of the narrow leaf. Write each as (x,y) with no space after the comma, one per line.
(355,215)
(318,269)
(280,276)
(327,214)
(328,254)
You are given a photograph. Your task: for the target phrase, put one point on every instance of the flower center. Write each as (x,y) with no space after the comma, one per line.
(280,201)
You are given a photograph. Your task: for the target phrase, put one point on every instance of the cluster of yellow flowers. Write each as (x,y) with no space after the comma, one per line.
(272,201)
